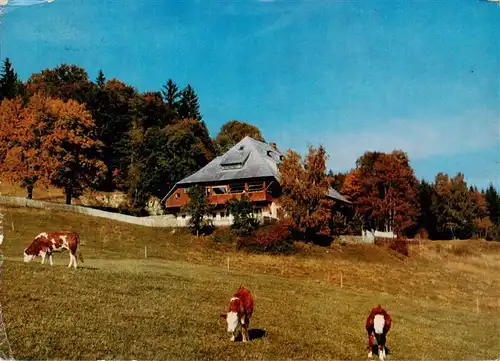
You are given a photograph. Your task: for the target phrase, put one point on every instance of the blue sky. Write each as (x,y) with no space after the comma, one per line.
(421,76)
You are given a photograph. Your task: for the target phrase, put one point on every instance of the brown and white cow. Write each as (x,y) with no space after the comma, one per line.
(48,242)
(378,325)
(240,310)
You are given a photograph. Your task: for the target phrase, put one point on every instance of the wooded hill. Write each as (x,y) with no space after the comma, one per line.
(63,129)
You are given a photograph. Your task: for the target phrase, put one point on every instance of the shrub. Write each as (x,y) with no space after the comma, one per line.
(274,239)
(243,221)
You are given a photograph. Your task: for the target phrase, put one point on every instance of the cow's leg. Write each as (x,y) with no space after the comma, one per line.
(371,342)
(244,333)
(381,353)
(382,345)
(71,257)
(50,259)
(43,257)
(74,260)
(244,328)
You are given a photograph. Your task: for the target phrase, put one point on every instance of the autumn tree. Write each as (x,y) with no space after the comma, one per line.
(197,207)
(232,132)
(383,187)
(304,189)
(64,82)
(10,84)
(74,152)
(49,141)
(482,224)
(22,158)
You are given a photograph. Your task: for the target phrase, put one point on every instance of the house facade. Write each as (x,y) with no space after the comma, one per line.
(249,168)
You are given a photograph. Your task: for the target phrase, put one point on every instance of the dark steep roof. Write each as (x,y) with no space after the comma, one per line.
(249,158)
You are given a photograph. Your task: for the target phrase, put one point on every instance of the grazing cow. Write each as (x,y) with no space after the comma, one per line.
(47,242)
(378,325)
(240,311)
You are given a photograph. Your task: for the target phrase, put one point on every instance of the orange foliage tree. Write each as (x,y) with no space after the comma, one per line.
(23,159)
(304,188)
(74,153)
(482,223)
(49,142)
(383,187)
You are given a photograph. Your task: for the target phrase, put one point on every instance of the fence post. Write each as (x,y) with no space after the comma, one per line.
(1,229)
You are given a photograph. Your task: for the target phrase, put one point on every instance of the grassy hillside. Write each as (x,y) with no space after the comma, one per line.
(121,305)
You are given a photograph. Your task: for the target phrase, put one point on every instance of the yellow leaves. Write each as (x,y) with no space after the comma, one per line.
(352,184)
(44,137)
(483,223)
(304,189)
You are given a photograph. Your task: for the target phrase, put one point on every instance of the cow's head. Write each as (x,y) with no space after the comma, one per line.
(27,257)
(231,320)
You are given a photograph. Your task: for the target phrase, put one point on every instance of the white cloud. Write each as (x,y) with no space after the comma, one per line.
(419,139)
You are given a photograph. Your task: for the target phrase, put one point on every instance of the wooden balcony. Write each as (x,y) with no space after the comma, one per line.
(255,191)
(253,196)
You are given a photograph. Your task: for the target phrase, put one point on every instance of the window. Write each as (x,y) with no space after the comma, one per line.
(183,216)
(235,158)
(231,166)
(177,195)
(255,186)
(207,191)
(222,214)
(237,188)
(214,215)
(219,190)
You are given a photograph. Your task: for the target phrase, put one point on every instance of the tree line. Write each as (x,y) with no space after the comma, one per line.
(63,129)
(387,196)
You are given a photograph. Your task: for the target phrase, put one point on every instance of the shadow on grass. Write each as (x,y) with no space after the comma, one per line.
(253,334)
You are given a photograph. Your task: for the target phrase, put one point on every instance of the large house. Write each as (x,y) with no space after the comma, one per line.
(249,168)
